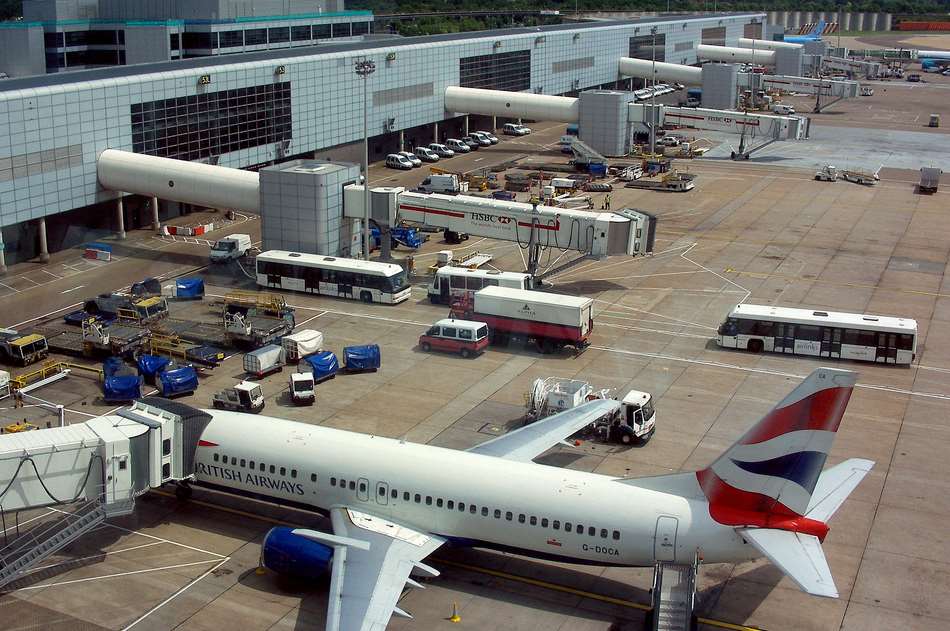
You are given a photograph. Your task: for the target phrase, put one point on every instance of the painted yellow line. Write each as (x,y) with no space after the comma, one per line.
(767,275)
(484,570)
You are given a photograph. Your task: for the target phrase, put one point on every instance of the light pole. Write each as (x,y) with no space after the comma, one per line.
(364,68)
(653,97)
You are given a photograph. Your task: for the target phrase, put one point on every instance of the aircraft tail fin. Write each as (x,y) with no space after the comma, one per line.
(798,555)
(819,29)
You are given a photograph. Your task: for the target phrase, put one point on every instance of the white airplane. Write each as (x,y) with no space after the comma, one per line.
(392,503)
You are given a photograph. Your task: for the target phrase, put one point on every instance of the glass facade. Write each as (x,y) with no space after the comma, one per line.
(205,125)
(641,47)
(715,36)
(279,34)
(500,71)
(232,39)
(300,33)
(254,37)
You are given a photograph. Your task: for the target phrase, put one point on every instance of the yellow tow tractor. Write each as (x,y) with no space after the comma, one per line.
(20,349)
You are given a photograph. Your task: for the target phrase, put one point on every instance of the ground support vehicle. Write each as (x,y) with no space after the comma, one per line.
(369,281)
(323,365)
(241,397)
(827,173)
(128,308)
(634,422)
(302,388)
(22,349)
(265,360)
(231,247)
(120,382)
(549,321)
(464,337)
(300,344)
(672,182)
(363,358)
(864,178)
(178,381)
(929,180)
(452,282)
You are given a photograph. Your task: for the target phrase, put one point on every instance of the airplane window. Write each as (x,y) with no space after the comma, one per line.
(382,491)
(484,511)
(472,508)
(216,457)
(508,516)
(418,498)
(263,467)
(283,471)
(293,473)
(343,483)
(544,522)
(521,518)
(580,529)
(395,494)
(603,533)
(616,535)
(313,477)
(591,531)
(450,505)
(438,502)
(332,481)
(461,507)
(352,485)
(497,514)
(362,487)
(251,464)
(405,496)
(428,500)
(533,521)
(273,469)
(556,525)
(233,461)
(243,462)
(567,526)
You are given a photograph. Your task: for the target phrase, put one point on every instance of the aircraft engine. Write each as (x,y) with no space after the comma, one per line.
(292,555)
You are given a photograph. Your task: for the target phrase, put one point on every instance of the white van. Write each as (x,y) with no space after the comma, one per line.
(427,155)
(441,150)
(514,129)
(457,145)
(398,161)
(783,110)
(448,184)
(233,246)
(563,183)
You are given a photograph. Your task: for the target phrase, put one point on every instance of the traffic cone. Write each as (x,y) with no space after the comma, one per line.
(455,617)
(261,570)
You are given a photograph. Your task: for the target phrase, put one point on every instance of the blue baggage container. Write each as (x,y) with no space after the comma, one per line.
(122,388)
(113,366)
(324,365)
(361,358)
(178,381)
(151,365)
(189,288)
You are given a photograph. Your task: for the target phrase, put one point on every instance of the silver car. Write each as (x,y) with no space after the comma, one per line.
(457,145)
(491,137)
(441,150)
(412,158)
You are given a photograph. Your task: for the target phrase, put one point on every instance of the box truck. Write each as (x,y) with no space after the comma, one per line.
(550,321)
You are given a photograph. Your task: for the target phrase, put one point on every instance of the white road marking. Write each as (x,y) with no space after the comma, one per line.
(23,523)
(309,319)
(51,274)
(66,291)
(117,575)
(96,556)
(175,595)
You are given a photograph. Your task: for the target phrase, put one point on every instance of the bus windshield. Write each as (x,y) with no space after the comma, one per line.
(398,281)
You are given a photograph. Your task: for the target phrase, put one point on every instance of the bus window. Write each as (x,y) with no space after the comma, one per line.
(492,282)
(867,338)
(457,282)
(763,328)
(807,332)
(905,342)
(473,283)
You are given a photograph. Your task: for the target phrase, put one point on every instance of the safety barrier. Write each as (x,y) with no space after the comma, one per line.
(924,26)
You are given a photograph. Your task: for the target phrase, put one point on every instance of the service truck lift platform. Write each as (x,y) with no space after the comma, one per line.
(92,471)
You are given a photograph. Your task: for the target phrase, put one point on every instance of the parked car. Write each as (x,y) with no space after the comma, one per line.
(427,155)
(492,137)
(457,145)
(515,129)
(472,142)
(412,158)
(481,138)
(465,337)
(398,161)
(441,150)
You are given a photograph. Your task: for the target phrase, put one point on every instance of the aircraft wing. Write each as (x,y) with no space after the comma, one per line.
(371,570)
(527,443)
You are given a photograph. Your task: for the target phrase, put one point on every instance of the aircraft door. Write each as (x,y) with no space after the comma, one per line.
(382,493)
(362,489)
(664,542)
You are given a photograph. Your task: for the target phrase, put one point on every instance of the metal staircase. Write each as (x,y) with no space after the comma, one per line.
(674,595)
(585,154)
(42,541)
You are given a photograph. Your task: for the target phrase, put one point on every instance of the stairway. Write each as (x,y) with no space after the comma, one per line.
(42,541)
(674,593)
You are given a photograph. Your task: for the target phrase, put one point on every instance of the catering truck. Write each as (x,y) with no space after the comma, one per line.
(550,321)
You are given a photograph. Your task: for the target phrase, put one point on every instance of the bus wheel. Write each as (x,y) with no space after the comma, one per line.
(465,353)
(366,296)
(755,346)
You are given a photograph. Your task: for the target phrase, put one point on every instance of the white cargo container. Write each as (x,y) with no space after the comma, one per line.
(4,384)
(550,320)
(302,343)
(265,360)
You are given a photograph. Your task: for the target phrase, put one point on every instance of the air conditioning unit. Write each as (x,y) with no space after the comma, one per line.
(390,124)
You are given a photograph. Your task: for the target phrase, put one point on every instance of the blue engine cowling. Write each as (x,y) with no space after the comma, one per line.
(292,555)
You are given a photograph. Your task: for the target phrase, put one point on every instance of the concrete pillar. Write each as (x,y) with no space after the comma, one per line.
(402,140)
(3,258)
(466,125)
(44,249)
(494,123)
(156,223)
(435,132)
(119,219)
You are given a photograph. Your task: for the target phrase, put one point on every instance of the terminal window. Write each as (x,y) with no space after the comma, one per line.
(205,125)
(503,71)
(641,47)
(714,36)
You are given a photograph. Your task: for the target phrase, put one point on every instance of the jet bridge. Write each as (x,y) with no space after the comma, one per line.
(92,471)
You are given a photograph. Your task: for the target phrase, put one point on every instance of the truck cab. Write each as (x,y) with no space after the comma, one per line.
(827,173)
(242,397)
(302,388)
(231,247)
(638,418)
(22,349)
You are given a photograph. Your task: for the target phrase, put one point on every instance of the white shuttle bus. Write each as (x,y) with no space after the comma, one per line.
(881,339)
(333,276)
(450,283)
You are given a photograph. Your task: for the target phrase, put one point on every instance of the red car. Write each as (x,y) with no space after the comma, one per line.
(465,337)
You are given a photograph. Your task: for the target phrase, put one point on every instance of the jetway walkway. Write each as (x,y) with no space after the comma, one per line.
(91,471)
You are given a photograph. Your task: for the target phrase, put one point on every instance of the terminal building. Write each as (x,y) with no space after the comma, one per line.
(274,101)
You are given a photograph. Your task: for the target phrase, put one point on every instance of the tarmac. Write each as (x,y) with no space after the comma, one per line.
(760,232)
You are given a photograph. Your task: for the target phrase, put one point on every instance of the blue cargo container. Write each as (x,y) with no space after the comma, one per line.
(182,380)
(361,358)
(323,364)
(121,388)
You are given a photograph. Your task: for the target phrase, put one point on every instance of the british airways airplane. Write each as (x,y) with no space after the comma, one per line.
(392,503)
